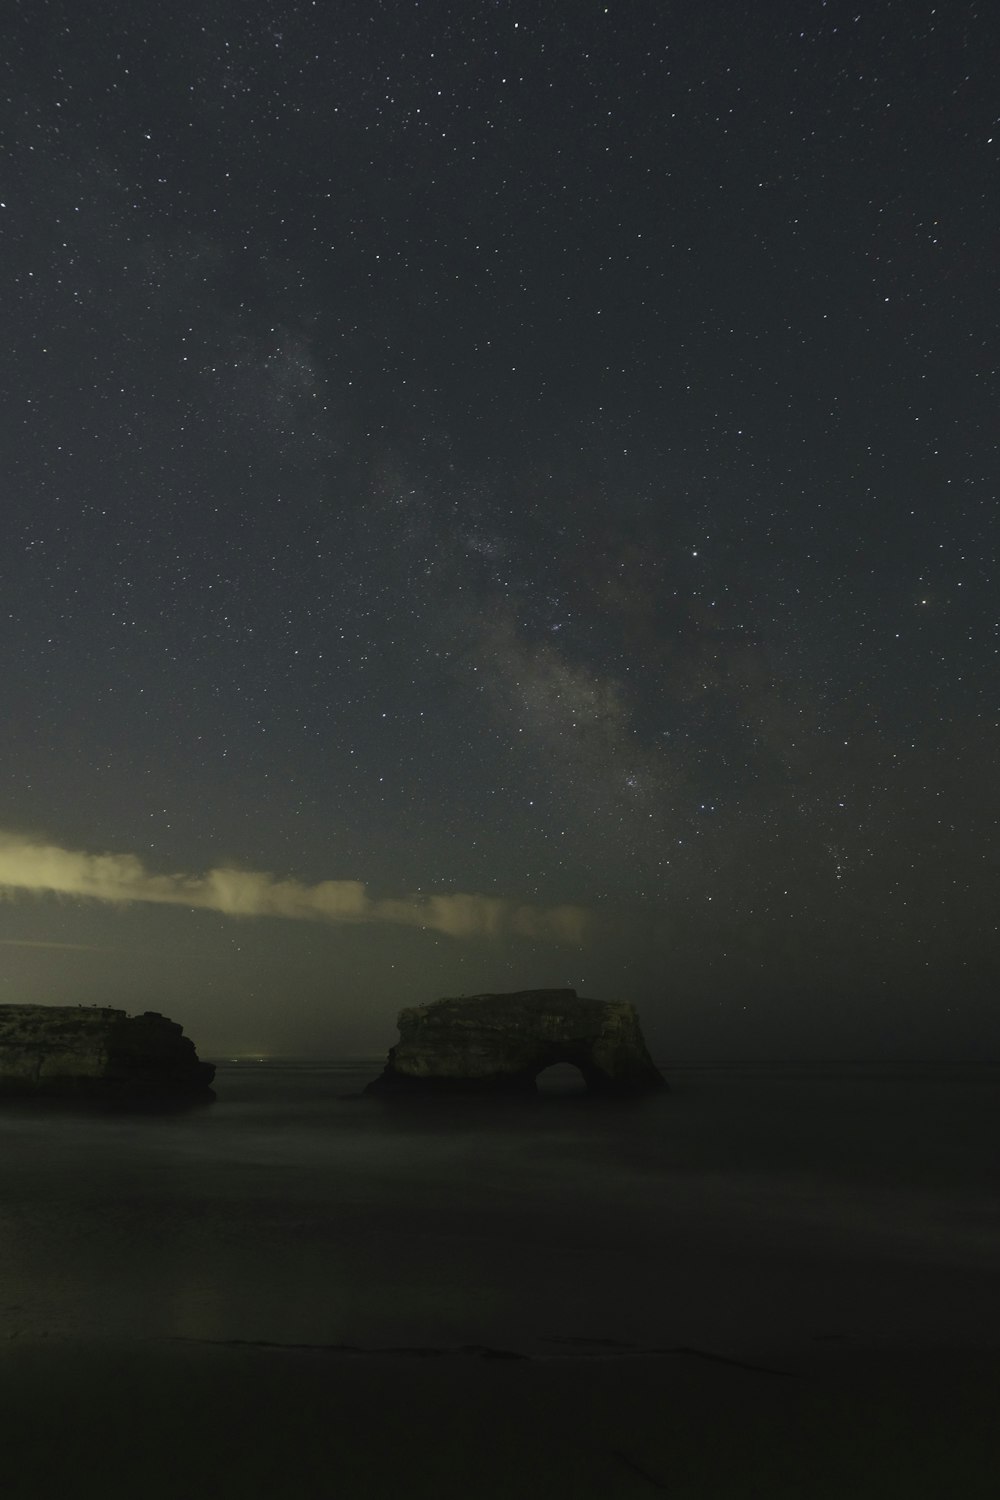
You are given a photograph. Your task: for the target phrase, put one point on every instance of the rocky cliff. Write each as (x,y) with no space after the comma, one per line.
(500,1043)
(72,1049)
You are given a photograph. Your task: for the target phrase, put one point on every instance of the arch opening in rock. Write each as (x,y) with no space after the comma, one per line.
(561,1078)
(502,1043)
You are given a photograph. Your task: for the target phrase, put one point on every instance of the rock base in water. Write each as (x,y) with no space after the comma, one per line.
(498,1044)
(92,1051)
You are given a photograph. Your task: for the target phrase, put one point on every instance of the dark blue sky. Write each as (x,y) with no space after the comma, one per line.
(541,454)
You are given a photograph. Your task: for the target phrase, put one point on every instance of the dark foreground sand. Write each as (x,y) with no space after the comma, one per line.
(188,1419)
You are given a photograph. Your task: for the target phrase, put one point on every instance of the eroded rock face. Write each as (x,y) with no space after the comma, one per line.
(500,1043)
(90,1050)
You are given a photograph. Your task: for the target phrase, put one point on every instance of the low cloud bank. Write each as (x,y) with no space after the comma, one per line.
(29,865)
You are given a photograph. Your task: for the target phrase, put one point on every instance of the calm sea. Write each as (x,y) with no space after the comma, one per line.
(752,1207)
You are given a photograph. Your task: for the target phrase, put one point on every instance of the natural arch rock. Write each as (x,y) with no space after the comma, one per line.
(500,1043)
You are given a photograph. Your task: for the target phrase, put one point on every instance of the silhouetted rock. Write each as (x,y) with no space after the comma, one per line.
(78,1050)
(500,1043)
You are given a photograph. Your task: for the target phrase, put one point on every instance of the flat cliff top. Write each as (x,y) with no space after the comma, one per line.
(54,1012)
(41,1021)
(506,1004)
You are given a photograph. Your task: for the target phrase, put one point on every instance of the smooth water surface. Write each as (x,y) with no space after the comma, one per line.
(753,1206)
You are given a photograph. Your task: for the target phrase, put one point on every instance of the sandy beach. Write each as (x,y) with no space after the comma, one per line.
(297,1294)
(172,1419)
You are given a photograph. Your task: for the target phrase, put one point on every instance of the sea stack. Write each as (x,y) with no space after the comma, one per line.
(483,1044)
(93,1051)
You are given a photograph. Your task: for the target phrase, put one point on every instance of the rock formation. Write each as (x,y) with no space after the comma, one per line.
(500,1043)
(90,1050)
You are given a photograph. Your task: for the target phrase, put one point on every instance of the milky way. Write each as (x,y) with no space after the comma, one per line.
(534,457)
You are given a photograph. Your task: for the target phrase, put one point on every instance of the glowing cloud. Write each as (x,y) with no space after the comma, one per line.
(39,943)
(30,865)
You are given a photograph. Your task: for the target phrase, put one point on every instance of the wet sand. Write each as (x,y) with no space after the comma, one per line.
(778,1283)
(162,1419)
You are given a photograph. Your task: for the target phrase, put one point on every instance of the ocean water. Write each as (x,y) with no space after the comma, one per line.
(754,1207)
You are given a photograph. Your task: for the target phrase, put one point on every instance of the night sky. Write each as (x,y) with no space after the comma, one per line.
(502,495)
